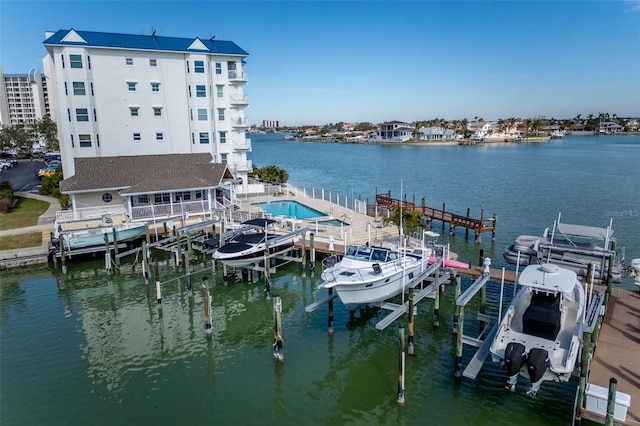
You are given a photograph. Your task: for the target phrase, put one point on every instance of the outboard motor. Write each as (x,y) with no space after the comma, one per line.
(515,354)
(538,362)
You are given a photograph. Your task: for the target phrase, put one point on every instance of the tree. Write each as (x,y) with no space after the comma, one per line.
(15,136)
(273,174)
(411,220)
(46,129)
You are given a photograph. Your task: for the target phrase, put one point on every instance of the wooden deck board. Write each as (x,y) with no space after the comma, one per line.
(618,349)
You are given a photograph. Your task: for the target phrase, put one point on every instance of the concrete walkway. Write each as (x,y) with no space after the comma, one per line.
(30,255)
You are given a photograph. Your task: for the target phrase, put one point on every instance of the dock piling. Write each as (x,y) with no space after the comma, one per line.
(303,260)
(267,267)
(158,286)
(312,257)
(145,262)
(115,246)
(208,327)
(107,255)
(63,260)
(456,308)
(436,305)
(330,312)
(459,343)
(611,401)
(277,329)
(401,359)
(410,322)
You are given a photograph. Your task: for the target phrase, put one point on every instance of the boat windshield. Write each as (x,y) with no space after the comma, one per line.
(369,254)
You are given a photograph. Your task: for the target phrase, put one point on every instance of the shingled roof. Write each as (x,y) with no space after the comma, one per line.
(142,174)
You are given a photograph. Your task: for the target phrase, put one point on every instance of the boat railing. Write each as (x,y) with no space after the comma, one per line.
(89,213)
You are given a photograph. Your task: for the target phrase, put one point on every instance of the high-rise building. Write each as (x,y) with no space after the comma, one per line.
(125,95)
(22,98)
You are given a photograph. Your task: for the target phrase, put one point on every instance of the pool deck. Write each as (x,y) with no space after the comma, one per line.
(360,226)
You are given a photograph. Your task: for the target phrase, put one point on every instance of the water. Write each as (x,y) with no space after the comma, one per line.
(90,348)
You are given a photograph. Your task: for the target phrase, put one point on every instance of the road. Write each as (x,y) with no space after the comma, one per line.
(22,177)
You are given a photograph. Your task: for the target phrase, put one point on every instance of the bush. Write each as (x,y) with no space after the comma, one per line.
(6,197)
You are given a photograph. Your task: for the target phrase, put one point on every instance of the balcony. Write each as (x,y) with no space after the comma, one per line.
(242,144)
(238,77)
(242,167)
(239,100)
(240,123)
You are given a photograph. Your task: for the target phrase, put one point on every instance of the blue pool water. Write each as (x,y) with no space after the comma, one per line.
(289,209)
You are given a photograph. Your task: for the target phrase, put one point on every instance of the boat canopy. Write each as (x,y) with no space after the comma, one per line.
(262,222)
(548,277)
(585,231)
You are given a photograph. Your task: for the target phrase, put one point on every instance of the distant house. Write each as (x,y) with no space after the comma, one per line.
(396,130)
(609,127)
(148,187)
(578,127)
(633,126)
(480,128)
(435,133)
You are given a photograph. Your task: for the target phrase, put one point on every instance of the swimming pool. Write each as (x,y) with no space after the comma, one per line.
(332,222)
(289,209)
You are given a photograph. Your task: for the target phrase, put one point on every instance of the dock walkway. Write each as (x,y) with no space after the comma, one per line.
(617,354)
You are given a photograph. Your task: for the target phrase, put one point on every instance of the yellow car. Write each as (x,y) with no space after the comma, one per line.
(46,172)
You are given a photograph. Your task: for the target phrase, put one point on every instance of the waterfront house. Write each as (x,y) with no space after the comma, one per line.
(480,129)
(115,95)
(434,133)
(609,127)
(149,187)
(396,130)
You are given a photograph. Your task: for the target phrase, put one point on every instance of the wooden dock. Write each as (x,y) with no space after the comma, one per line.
(384,202)
(617,352)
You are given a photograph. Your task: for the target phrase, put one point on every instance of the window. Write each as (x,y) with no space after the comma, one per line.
(107,198)
(134,111)
(143,199)
(85,141)
(163,198)
(201,91)
(95,116)
(75,61)
(198,66)
(136,137)
(221,114)
(223,137)
(202,114)
(78,88)
(91,86)
(223,158)
(88,61)
(62,60)
(82,114)
(189,90)
(155,87)
(204,137)
(182,196)
(72,143)
(153,63)
(201,195)
(66,89)
(220,91)
(132,86)
(97,139)
(157,111)
(218,68)
(159,136)
(187,67)
(128,61)
(69,114)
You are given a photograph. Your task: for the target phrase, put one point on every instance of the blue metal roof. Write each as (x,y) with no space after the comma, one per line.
(145,42)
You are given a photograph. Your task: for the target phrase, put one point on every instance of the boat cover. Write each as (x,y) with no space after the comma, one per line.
(548,277)
(262,222)
(585,231)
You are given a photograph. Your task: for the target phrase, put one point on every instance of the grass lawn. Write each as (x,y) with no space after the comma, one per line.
(25,213)
(12,242)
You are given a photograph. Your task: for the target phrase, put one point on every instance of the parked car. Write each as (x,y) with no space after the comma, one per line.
(46,172)
(5,164)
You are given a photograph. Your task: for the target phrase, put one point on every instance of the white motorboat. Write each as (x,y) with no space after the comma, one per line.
(91,233)
(574,247)
(370,274)
(540,334)
(247,245)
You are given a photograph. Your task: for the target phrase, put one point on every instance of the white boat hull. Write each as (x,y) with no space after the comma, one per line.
(364,286)
(253,255)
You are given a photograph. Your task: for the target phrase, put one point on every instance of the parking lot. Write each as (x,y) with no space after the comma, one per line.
(23,176)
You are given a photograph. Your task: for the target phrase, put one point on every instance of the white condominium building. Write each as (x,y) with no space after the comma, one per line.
(125,95)
(22,98)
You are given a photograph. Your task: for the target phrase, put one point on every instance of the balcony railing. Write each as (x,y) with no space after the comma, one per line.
(240,123)
(246,166)
(239,99)
(237,76)
(242,145)
(167,210)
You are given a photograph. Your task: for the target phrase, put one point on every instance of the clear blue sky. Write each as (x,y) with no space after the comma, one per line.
(317,62)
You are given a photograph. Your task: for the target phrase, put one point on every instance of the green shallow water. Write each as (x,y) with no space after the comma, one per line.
(87,348)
